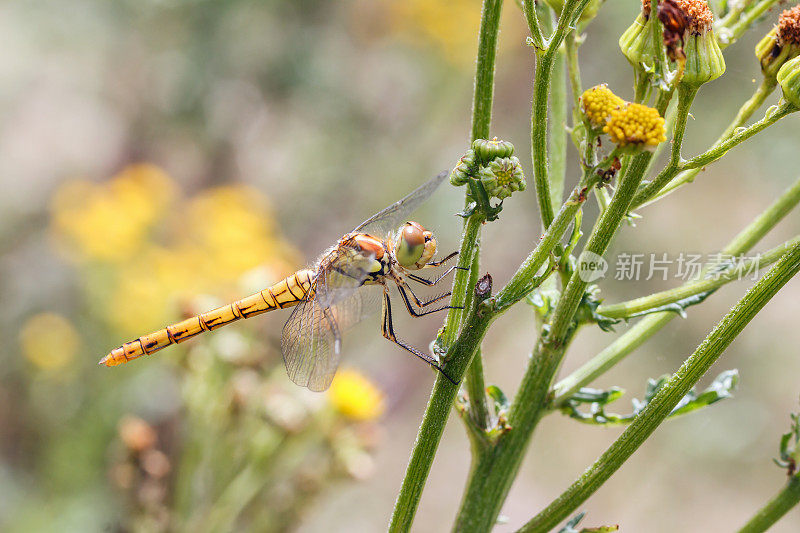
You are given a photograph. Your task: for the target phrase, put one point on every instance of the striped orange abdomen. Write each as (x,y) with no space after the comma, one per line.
(286,293)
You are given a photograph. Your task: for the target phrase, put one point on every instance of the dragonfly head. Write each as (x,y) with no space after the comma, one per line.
(415,246)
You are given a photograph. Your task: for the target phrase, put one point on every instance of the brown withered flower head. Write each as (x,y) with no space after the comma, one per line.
(688,39)
(695,15)
(789,26)
(781,44)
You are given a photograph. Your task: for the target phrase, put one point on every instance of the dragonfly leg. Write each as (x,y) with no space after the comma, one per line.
(426,303)
(443,260)
(413,312)
(387,328)
(428,282)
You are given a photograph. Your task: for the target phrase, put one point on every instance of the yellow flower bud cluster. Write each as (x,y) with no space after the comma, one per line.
(625,122)
(598,102)
(635,124)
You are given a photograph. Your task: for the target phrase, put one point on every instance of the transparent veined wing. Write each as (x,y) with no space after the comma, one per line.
(311,341)
(311,338)
(390,218)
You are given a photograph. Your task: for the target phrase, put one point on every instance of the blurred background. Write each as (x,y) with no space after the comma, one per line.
(162,157)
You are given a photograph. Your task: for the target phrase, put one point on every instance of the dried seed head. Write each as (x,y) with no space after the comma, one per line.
(636,124)
(781,44)
(789,26)
(697,14)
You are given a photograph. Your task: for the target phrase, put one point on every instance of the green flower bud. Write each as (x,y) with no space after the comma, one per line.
(687,38)
(464,169)
(704,61)
(502,176)
(789,79)
(637,43)
(487,150)
(588,13)
(781,44)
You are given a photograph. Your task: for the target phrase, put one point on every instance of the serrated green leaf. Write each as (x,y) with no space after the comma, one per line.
(719,389)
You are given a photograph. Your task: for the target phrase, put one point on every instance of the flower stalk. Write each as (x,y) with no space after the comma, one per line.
(779,505)
(541,88)
(648,326)
(644,304)
(670,394)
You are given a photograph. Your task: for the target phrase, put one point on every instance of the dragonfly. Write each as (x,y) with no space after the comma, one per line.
(332,295)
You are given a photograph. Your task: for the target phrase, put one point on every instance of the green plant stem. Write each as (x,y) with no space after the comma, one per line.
(558,129)
(483,94)
(541,89)
(651,324)
(572,44)
(491,476)
(524,279)
(475,385)
(772,116)
(670,394)
(444,392)
(685,98)
(461,353)
(598,242)
(730,33)
(458,359)
(493,473)
(660,299)
(778,506)
(764,89)
(730,17)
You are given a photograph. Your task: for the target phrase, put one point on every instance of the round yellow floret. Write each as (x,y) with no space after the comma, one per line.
(356,397)
(635,124)
(598,102)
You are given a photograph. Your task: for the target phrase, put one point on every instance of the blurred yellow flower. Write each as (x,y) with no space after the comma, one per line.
(234,226)
(109,221)
(355,396)
(449,25)
(207,243)
(49,341)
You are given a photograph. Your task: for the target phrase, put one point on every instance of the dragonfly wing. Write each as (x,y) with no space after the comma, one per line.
(310,343)
(311,339)
(390,218)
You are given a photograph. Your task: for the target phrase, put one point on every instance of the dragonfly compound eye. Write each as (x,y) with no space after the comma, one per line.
(410,245)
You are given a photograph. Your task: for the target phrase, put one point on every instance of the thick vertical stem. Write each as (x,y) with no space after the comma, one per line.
(458,354)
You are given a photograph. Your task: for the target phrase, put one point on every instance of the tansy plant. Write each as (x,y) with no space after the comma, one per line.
(675,47)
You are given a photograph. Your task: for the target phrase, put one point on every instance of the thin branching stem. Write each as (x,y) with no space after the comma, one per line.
(648,326)
(668,396)
(779,505)
(641,305)
(541,88)
(765,88)
(772,116)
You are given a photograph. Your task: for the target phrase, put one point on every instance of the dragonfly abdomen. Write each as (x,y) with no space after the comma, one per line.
(286,293)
